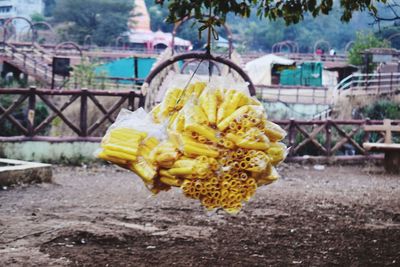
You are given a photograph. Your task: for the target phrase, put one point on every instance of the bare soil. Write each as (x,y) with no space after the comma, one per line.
(103,216)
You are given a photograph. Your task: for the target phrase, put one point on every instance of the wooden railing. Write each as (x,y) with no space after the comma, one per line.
(328,138)
(27,63)
(369,84)
(306,139)
(90,51)
(111,83)
(323,115)
(57,102)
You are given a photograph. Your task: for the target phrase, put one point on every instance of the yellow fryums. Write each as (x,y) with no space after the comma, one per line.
(171,181)
(224,123)
(209,105)
(170,101)
(151,142)
(274,132)
(203,130)
(196,115)
(198,88)
(277,152)
(191,150)
(120,148)
(223,110)
(126,133)
(244,143)
(118,161)
(220,147)
(146,171)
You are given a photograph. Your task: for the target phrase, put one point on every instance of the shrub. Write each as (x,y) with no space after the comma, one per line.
(382,109)
(20,114)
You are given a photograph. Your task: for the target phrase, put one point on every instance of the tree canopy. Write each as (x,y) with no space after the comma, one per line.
(364,41)
(103,20)
(259,35)
(291,11)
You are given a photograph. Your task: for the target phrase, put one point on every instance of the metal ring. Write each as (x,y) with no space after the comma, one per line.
(203,56)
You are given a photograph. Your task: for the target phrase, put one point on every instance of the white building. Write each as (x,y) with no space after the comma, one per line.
(20,8)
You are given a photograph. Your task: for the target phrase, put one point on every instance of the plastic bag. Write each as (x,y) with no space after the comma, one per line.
(130,140)
(213,142)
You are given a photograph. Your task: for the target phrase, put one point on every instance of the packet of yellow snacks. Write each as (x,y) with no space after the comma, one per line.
(217,146)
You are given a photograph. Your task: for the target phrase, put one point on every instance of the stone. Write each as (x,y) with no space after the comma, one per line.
(23,172)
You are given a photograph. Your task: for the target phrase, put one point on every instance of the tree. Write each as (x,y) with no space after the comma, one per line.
(37,17)
(291,11)
(390,33)
(389,13)
(213,13)
(49,6)
(103,20)
(364,41)
(260,35)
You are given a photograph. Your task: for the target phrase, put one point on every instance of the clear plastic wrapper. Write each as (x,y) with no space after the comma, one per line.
(212,141)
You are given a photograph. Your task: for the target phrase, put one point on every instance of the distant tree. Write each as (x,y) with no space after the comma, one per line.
(290,11)
(213,13)
(37,17)
(389,12)
(104,20)
(390,33)
(49,7)
(364,41)
(158,15)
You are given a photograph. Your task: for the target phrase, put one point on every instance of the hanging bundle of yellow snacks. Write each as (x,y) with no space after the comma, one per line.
(218,149)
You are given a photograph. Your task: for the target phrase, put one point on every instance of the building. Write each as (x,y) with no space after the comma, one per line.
(141,36)
(20,8)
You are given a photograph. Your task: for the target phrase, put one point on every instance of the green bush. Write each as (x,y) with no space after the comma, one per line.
(20,114)
(382,109)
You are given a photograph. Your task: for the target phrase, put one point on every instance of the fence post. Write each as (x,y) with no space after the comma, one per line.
(24,61)
(367,135)
(131,100)
(291,135)
(313,95)
(279,94)
(328,132)
(391,82)
(379,83)
(31,111)
(83,115)
(142,101)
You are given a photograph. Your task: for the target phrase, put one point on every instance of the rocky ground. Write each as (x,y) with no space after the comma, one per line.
(103,216)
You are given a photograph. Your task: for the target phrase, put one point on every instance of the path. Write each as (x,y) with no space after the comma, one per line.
(103,217)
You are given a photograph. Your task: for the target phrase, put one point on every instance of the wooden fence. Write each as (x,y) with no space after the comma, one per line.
(316,138)
(329,138)
(56,102)
(369,84)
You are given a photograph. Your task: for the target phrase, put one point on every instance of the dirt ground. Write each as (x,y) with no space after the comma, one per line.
(103,216)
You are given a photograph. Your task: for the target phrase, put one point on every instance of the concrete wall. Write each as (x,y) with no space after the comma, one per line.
(68,152)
